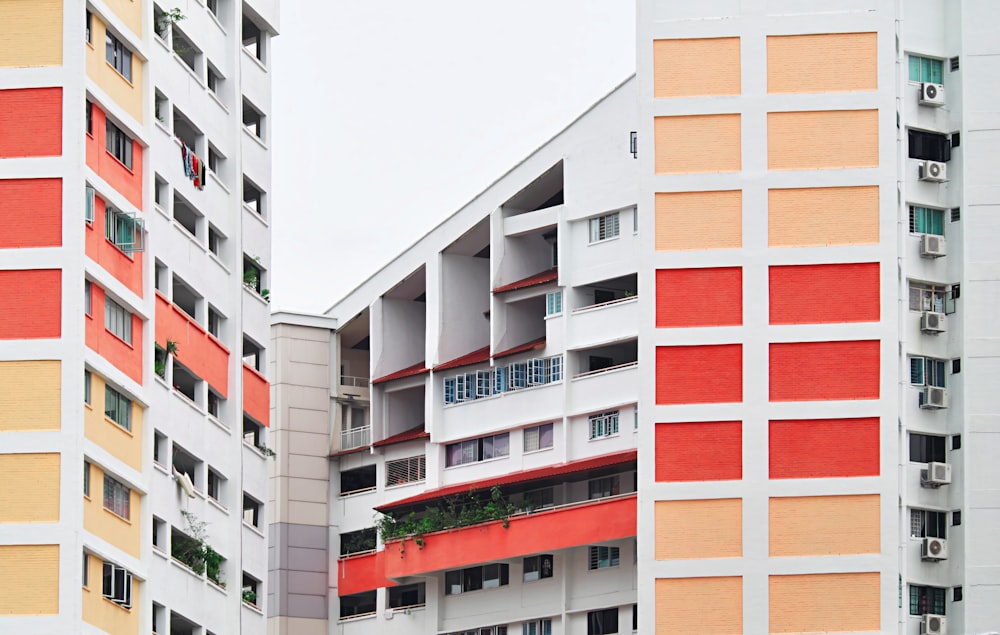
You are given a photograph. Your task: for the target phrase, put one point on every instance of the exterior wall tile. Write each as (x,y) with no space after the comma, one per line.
(696,67)
(31,31)
(822,63)
(687,144)
(32,304)
(699,220)
(823,371)
(824,448)
(695,529)
(824,525)
(699,606)
(824,603)
(699,297)
(806,294)
(32,396)
(699,451)
(29,580)
(30,492)
(831,139)
(699,374)
(32,213)
(805,217)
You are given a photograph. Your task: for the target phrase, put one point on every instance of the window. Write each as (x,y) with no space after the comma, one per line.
(357,604)
(90,118)
(604,487)
(925,69)
(925,448)
(250,587)
(159,534)
(536,372)
(538,567)
(603,557)
(603,425)
(518,373)
(118,144)
(635,617)
(476,450)
(253,39)
(931,297)
(407,595)
(116,497)
(214,322)
(86,479)
(251,510)
(553,303)
(925,523)
(117,585)
(925,371)
(541,627)
(159,447)
(86,386)
(956,518)
(926,220)
(926,599)
(253,120)
(358,480)
(118,56)
(86,569)
(540,498)
(604,227)
(358,541)
(956,442)
(118,407)
(474,578)
(214,78)
(450,390)
(484,383)
(124,230)
(118,320)
(602,622)
(88,213)
(956,594)
(409,470)
(929,146)
(555,368)
(90,40)
(215,482)
(538,437)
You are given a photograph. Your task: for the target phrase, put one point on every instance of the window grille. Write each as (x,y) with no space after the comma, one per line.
(604,557)
(604,227)
(604,425)
(117,497)
(408,470)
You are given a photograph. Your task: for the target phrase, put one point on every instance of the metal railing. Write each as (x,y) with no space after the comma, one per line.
(355,438)
(628,298)
(605,370)
(356,382)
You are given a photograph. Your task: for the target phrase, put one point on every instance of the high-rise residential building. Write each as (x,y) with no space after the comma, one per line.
(134,316)
(456,437)
(818,291)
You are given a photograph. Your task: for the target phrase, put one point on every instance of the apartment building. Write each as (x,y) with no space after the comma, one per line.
(456,437)
(134,322)
(818,413)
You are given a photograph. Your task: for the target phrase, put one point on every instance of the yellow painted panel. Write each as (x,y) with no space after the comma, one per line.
(696,67)
(103,613)
(801,217)
(822,63)
(699,220)
(126,94)
(30,492)
(31,397)
(122,444)
(695,529)
(824,525)
(824,603)
(689,144)
(699,606)
(129,12)
(31,33)
(826,139)
(29,580)
(105,524)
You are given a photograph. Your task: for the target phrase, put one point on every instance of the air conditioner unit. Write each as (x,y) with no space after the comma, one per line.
(933,624)
(933,171)
(931,95)
(936,475)
(931,322)
(934,398)
(932,246)
(934,549)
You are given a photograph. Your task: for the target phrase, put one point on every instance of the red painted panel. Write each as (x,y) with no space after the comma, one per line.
(699,297)
(822,371)
(362,573)
(699,374)
(823,294)
(127,182)
(32,213)
(126,270)
(31,122)
(31,305)
(196,348)
(125,357)
(824,448)
(256,396)
(699,451)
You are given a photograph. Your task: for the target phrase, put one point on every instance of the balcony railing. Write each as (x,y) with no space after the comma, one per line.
(605,370)
(356,382)
(355,438)
(628,298)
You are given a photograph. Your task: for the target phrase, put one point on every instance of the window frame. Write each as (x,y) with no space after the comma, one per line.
(118,56)
(477,449)
(928,448)
(411,469)
(928,523)
(117,497)
(603,557)
(604,425)
(538,567)
(923,215)
(120,411)
(117,320)
(604,227)
(475,578)
(537,433)
(920,59)
(86,479)
(929,296)
(928,371)
(118,143)
(117,584)
(610,484)
(928,597)
(553,303)
(596,621)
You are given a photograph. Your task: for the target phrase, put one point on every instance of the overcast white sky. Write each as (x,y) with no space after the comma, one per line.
(389,115)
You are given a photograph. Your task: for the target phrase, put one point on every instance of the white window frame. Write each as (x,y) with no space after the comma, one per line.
(555,364)
(118,56)
(537,627)
(536,372)
(459,388)
(118,320)
(412,469)
(124,230)
(603,557)
(518,374)
(553,303)
(118,496)
(501,380)
(927,296)
(933,371)
(604,227)
(450,390)
(533,438)
(117,585)
(118,143)
(89,202)
(484,384)
(603,425)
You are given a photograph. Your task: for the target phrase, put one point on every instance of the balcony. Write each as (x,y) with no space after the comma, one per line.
(196,348)
(607,321)
(256,396)
(356,438)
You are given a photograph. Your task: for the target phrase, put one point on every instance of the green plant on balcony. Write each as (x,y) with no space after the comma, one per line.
(455,511)
(166,19)
(250,597)
(193,551)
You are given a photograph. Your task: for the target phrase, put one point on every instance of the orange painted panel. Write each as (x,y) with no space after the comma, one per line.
(824,525)
(256,396)
(827,139)
(824,371)
(204,355)
(824,603)
(699,297)
(696,67)
(695,529)
(128,182)
(806,294)
(699,606)
(125,357)
(32,122)
(687,144)
(699,451)
(126,270)
(822,63)
(362,573)
(699,374)
(799,217)
(589,523)
(824,448)
(699,220)
(32,304)
(32,213)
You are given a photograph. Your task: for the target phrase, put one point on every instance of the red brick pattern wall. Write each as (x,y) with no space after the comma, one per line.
(31,305)
(32,213)
(699,297)
(699,374)
(699,451)
(824,448)
(31,122)
(824,371)
(823,294)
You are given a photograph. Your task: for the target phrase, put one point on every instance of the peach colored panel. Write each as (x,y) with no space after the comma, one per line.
(801,217)
(824,603)
(694,529)
(699,606)
(696,67)
(824,525)
(699,220)
(690,144)
(825,139)
(822,63)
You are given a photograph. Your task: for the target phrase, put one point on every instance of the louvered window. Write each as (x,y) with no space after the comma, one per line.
(604,227)
(407,470)
(604,557)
